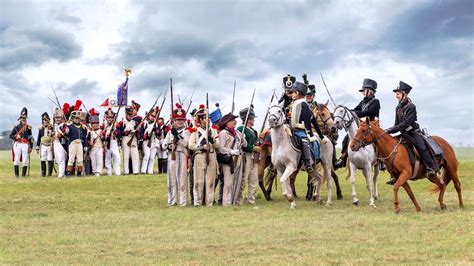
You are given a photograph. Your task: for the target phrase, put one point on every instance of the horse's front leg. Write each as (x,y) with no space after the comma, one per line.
(368,182)
(327,166)
(285,183)
(375,181)
(353,169)
(402,179)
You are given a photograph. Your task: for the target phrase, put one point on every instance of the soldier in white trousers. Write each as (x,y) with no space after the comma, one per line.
(176,142)
(149,132)
(60,142)
(129,132)
(109,135)
(44,145)
(22,136)
(96,150)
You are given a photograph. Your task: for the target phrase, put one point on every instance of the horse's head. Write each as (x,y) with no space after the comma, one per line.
(367,133)
(323,116)
(276,116)
(342,117)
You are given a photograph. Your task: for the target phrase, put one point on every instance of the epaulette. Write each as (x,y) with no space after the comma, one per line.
(216,127)
(191,129)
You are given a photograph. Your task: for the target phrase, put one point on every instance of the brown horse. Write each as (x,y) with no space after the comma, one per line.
(397,160)
(326,124)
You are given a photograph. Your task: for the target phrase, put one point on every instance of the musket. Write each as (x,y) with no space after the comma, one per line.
(129,143)
(247,117)
(266,115)
(190,102)
(173,151)
(233,98)
(59,104)
(157,116)
(112,129)
(330,97)
(207,129)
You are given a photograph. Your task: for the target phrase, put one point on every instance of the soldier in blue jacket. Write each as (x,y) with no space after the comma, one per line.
(22,137)
(77,142)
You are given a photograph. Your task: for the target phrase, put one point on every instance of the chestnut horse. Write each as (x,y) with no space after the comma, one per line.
(397,160)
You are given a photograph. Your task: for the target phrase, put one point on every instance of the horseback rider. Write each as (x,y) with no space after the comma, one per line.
(286,98)
(368,107)
(301,120)
(22,136)
(405,123)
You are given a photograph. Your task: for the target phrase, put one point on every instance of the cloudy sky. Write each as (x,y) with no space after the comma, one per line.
(82,47)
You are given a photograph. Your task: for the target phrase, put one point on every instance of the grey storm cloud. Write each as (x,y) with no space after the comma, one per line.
(82,87)
(32,47)
(68,18)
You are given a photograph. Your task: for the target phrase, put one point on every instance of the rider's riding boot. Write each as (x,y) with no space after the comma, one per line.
(50,167)
(432,175)
(341,162)
(23,172)
(392,181)
(43,168)
(382,166)
(16,168)
(308,161)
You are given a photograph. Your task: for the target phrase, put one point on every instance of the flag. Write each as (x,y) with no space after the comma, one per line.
(122,93)
(105,103)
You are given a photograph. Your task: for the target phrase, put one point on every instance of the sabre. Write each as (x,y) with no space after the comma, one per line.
(330,97)
(233,97)
(266,115)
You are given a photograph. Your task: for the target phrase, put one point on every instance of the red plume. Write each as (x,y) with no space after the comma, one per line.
(93,112)
(157,108)
(66,108)
(77,105)
(178,106)
(201,106)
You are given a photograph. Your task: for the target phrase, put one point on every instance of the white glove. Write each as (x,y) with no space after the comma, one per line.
(235,152)
(313,139)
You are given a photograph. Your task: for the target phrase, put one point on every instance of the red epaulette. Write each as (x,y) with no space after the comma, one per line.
(216,127)
(191,129)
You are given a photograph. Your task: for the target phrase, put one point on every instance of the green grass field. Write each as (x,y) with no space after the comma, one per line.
(122,220)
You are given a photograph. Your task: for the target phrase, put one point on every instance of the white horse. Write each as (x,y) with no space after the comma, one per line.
(363,159)
(286,159)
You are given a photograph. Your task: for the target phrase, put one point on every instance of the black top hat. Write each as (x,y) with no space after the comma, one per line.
(369,84)
(402,86)
(243,113)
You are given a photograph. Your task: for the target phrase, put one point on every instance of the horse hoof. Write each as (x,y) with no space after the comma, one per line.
(376,197)
(444,207)
(356,203)
(340,197)
(293,205)
(327,204)
(397,211)
(373,205)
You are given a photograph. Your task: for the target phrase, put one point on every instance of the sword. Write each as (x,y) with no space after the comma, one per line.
(330,97)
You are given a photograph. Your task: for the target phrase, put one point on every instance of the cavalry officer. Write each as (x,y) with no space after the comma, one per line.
(44,144)
(110,134)
(287,98)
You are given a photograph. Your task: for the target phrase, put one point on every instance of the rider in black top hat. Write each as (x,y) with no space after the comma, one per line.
(405,123)
(368,107)
(286,98)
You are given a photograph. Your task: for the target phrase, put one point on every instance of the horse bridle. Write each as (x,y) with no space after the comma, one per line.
(366,133)
(346,113)
(324,122)
(277,118)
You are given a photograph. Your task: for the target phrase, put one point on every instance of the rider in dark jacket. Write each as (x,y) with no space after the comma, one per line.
(405,123)
(368,107)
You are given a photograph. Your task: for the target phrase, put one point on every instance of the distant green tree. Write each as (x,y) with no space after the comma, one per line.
(5,141)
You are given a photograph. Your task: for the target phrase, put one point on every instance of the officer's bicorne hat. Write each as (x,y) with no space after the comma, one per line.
(311,90)
(402,86)
(369,84)
(243,113)
(135,105)
(216,115)
(93,116)
(179,113)
(288,81)
(23,113)
(109,113)
(200,112)
(226,118)
(45,116)
(300,86)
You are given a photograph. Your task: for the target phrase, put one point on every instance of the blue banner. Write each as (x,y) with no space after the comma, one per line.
(122,93)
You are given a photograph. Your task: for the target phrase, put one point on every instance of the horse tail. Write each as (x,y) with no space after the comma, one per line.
(449,164)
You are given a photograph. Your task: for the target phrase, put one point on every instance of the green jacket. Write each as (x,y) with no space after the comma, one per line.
(251,136)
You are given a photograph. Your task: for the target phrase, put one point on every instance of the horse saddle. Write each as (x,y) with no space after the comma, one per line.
(296,142)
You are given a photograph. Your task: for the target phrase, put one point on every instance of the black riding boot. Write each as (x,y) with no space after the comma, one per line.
(23,172)
(382,166)
(308,161)
(341,162)
(50,167)
(16,168)
(43,168)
